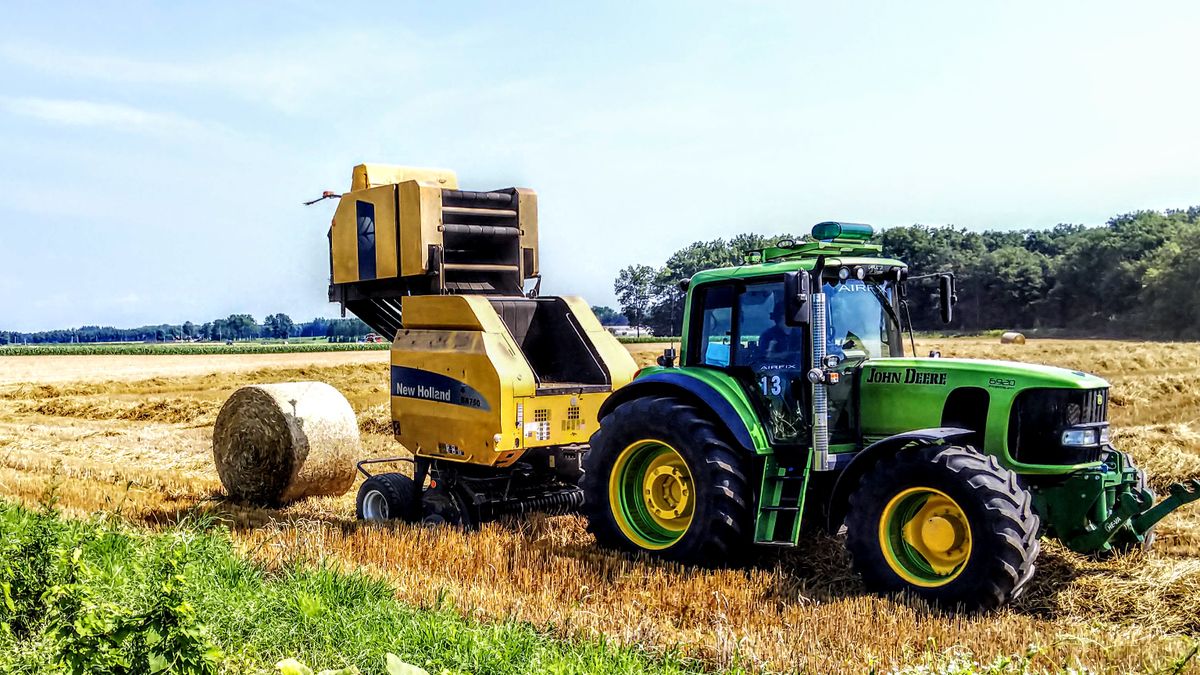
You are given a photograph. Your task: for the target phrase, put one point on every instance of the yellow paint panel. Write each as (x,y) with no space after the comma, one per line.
(621,366)
(373,175)
(420,225)
(345,234)
(528,222)
(344,242)
(462,312)
(487,362)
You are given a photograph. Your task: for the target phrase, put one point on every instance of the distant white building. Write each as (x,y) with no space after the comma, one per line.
(628,331)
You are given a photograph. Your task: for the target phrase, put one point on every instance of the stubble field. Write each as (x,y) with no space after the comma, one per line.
(131,435)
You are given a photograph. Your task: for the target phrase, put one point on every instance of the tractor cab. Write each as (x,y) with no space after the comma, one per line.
(794,326)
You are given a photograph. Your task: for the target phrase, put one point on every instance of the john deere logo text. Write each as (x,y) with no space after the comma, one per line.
(910,376)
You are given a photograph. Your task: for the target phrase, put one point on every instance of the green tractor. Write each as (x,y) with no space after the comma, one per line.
(794,406)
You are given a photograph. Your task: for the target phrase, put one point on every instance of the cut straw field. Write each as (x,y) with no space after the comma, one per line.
(132,436)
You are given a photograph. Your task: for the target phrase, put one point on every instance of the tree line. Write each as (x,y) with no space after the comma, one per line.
(233,327)
(1137,275)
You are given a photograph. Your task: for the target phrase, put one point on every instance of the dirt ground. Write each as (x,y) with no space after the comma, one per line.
(131,436)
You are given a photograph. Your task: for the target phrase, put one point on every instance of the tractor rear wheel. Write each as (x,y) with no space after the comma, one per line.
(386,496)
(660,478)
(946,523)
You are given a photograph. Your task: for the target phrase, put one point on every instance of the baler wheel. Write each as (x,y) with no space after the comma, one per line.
(946,523)
(660,478)
(386,496)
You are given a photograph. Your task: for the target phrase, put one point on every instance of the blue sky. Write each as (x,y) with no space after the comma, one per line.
(155,154)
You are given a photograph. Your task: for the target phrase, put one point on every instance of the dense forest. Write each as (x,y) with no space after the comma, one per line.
(1138,275)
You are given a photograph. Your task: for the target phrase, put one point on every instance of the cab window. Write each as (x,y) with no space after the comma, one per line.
(763,335)
(716,326)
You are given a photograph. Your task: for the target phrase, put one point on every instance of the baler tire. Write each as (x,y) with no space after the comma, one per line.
(1002,526)
(721,524)
(396,491)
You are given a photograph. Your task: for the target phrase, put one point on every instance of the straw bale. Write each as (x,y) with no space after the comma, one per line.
(275,443)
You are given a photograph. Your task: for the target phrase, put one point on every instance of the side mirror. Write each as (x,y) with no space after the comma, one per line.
(796,289)
(667,360)
(946,297)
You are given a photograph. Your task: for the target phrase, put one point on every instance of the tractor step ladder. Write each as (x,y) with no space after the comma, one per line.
(780,504)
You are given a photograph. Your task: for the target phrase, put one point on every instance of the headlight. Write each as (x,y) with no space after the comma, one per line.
(1085,437)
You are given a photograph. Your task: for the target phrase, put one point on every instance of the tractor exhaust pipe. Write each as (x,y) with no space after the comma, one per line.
(820,425)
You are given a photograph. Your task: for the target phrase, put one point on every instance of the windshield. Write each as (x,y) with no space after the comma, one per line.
(859,325)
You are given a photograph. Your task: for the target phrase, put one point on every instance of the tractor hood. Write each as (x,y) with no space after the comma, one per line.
(901,394)
(993,374)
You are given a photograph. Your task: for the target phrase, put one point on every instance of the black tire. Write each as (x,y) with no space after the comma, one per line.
(721,524)
(386,496)
(1003,527)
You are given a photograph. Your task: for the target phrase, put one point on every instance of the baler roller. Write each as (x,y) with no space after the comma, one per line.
(481,230)
(472,211)
(478,267)
(466,197)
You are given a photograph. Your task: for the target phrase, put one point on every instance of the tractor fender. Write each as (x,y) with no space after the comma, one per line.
(839,499)
(694,391)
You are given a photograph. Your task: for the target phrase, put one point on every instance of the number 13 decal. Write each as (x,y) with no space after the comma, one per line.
(771,385)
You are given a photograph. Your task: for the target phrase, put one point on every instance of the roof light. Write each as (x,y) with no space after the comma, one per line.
(830,230)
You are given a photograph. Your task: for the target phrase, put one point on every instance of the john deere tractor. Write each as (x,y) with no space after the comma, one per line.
(794,406)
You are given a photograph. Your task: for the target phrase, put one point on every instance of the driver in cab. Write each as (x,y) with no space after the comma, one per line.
(780,342)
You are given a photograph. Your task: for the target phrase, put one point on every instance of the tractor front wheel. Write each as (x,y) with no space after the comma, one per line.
(946,523)
(660,478)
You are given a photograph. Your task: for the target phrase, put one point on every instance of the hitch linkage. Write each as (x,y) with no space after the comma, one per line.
(1182,493)
(1137,509)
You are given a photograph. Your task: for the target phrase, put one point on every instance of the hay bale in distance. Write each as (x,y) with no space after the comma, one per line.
(275,443)
(1012,338)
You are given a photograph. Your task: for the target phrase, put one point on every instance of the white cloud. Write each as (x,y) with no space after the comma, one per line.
(80,113)
(290,74)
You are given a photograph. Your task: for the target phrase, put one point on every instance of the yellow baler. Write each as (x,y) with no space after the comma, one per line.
(494,389)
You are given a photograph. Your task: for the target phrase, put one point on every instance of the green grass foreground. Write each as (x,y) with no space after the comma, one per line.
(177,348)
(102,597)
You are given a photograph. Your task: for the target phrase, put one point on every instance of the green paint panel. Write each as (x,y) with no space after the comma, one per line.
(729,389)
(780,505)
(902,394)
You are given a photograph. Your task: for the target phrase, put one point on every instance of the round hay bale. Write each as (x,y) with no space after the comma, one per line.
(1012,338)
(275,443)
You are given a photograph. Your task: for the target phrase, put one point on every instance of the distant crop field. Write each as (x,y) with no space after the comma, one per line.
(177,348)
(633,339)
(130,436)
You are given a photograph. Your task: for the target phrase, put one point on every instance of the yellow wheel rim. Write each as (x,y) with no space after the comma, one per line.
(925,537)
(651,494)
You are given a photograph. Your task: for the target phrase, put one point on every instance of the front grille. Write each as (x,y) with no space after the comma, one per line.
(1039,416)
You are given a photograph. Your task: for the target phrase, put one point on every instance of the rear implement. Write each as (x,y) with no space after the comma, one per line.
(494,389)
